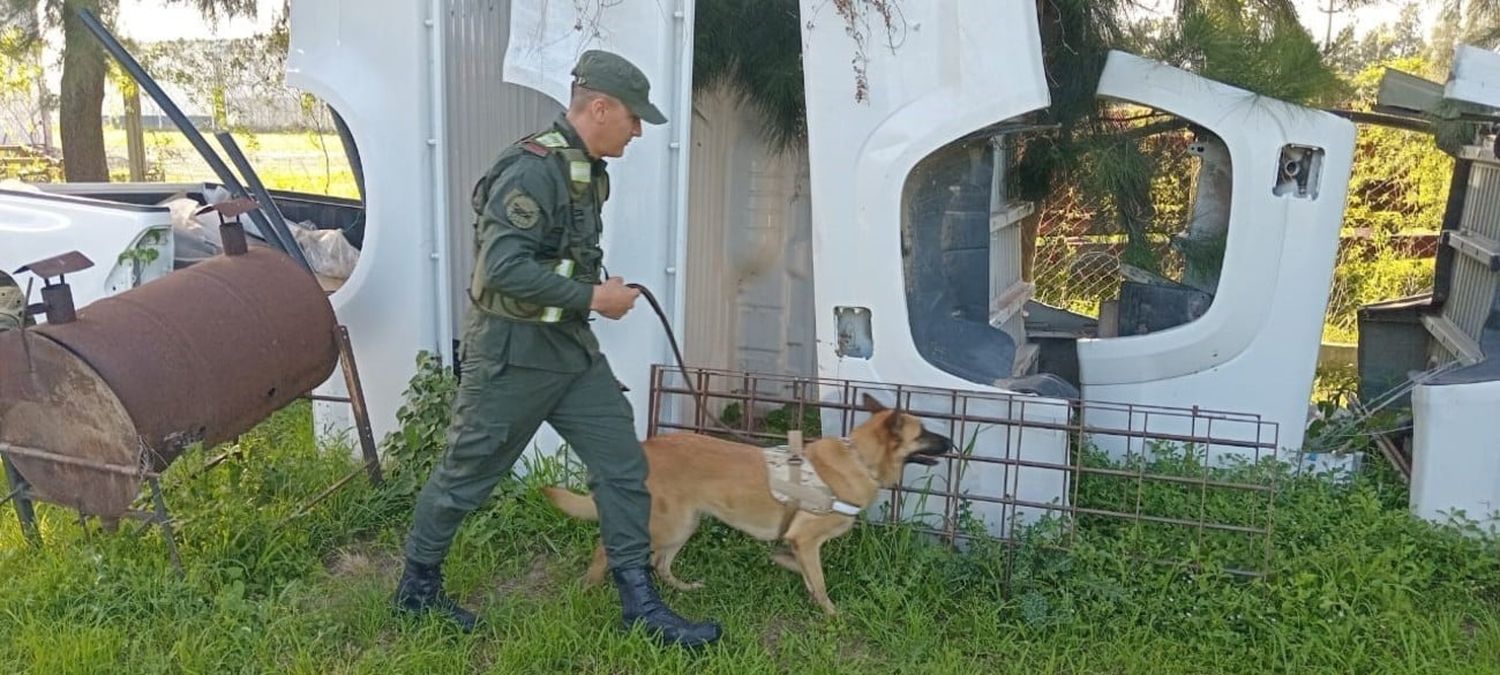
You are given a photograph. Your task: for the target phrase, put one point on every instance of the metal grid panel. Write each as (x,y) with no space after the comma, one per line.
(1027,466)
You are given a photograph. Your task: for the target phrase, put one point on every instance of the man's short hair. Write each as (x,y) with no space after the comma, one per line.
(582,96)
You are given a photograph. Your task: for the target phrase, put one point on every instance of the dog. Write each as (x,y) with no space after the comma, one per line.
(692,475)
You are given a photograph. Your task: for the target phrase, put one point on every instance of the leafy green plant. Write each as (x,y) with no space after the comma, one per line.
(415,449)
(777,421)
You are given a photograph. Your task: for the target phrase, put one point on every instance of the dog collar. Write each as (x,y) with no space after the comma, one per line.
(841,506)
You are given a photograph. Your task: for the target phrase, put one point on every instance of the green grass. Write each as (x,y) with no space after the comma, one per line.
(302,162)
(1359,587)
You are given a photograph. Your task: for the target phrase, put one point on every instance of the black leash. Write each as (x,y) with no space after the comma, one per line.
(666,325)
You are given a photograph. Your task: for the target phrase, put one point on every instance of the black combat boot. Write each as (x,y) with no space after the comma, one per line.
(641,605)
(421,591)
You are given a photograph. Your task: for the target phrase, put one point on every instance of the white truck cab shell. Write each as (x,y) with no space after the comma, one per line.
(35,225)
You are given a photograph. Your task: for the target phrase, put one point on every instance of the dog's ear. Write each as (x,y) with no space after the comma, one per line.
(871,404)
(893,422)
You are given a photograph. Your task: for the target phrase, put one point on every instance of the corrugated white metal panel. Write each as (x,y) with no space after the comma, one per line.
(749,263)
(708,337)
(484,114)
(776,306)
(749,298)
(1473,283)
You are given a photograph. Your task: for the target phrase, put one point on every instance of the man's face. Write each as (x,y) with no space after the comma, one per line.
(616,125)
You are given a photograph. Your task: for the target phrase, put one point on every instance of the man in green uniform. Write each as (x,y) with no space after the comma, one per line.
(528,354)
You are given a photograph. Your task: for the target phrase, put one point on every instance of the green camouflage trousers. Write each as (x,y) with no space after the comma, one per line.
(498,409)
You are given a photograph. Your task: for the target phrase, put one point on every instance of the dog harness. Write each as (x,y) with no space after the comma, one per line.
(796,484)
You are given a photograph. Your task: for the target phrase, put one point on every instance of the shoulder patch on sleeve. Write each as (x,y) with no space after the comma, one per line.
(536,149)
(552,139)
(521,210)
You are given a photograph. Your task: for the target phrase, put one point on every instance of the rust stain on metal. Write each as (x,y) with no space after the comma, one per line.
(209,351)
(58,265)
(63,406)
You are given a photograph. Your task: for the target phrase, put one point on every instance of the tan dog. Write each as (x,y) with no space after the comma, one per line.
(692,475)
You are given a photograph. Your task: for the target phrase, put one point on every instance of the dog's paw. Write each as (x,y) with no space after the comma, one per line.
(787,560)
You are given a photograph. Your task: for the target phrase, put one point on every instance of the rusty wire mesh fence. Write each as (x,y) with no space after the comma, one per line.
(1077,264)
(1174,486)
(1081,241)
(1397,194)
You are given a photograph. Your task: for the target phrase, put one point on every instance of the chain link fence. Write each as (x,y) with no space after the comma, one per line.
(1079,247)
(1394,210)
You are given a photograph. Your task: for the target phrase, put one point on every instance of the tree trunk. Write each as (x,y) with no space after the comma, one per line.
(135,136)
(44,109)
(82,98)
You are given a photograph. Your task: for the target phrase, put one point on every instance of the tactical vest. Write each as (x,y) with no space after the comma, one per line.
(797,485)
(570,248)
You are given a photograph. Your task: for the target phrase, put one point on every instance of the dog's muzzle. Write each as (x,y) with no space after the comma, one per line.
(930,445)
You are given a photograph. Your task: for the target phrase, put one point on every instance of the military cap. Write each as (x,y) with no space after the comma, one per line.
(609,73)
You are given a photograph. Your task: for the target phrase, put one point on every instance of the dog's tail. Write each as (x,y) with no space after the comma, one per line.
(574,504)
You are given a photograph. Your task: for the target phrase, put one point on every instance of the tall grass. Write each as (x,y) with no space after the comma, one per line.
(1357,586)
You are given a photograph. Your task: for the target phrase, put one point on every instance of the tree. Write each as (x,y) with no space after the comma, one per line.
(1475,22)
(84,68)
(1331,7)
(1388,42)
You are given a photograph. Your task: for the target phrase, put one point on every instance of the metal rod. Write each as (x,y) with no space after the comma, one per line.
(989,396)
(1017,462)
(263,197)
(653,401)
(1008,421)
(25,511)
(139,74)
(324,495)
(357,401)
(33,453)
(165,521)
(351,150)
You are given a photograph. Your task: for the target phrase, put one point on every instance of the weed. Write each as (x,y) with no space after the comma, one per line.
(1356,585)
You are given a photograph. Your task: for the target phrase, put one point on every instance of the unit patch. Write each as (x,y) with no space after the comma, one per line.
(521,210)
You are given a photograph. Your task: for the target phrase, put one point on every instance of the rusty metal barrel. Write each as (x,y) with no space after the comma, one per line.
(202,354)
